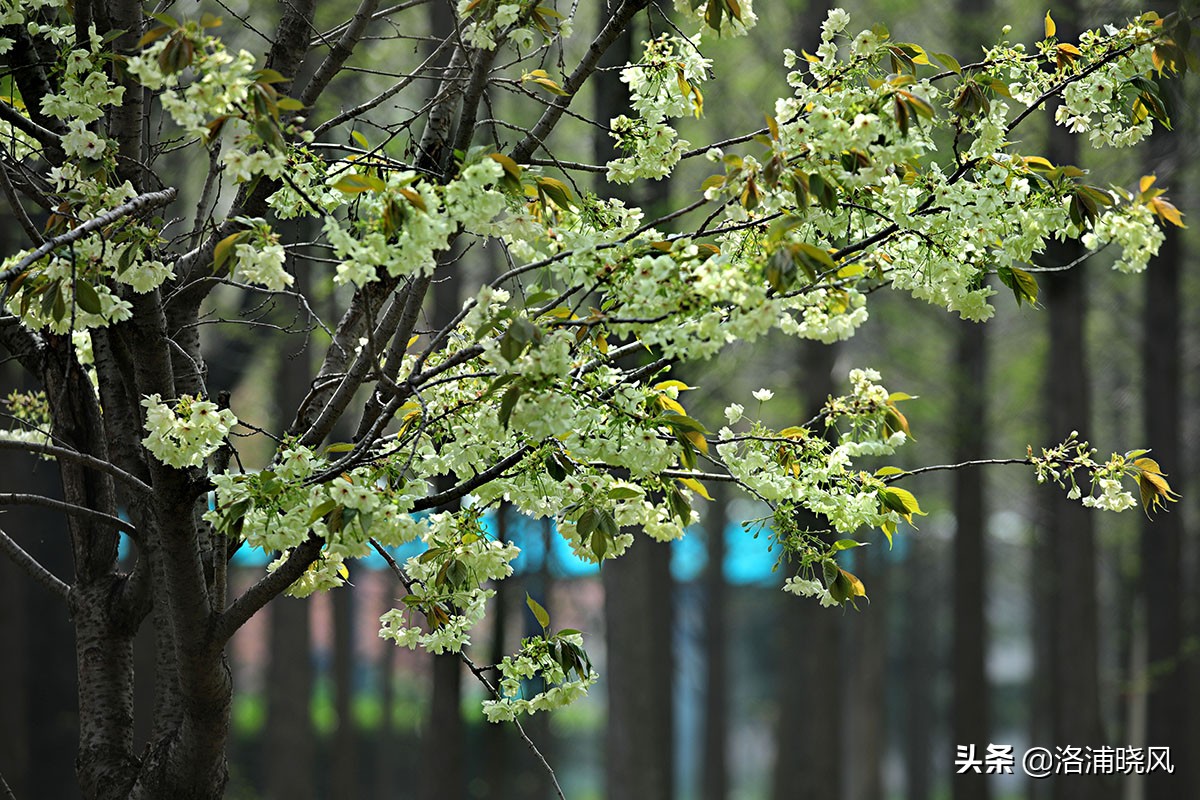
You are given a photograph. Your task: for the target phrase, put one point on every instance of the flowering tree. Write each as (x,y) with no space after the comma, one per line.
(886,165)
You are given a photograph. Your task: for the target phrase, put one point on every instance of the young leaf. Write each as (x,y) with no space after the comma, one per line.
(696,486)
(539,613)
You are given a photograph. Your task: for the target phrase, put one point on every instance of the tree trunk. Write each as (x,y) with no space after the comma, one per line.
(290,749)
(971,715)
(971,690)
(1070,565)
(1162,538)
(809,725)
(638,620)
(866,696)
(345,736)
(714,773)
(921,671)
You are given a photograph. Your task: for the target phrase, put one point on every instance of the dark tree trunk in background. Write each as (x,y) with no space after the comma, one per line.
(1162,539)
(637,586)
(638,619)
(972,694)
(921,671)
(527,777)
(496,768)
(50,729)
(809,724)
(442,763)
(1068,562)
(714,772)
(442,734)
(971,690)
(865,694)
(345,736)
(386,748)
(290,746)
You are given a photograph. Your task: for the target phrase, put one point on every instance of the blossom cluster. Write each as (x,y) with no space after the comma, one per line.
(186,433)
(541,660)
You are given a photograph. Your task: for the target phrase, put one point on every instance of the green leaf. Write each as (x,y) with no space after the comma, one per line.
(356,184)
(588,521)
(599,545)
(848,544)
(902,502)
(507,403)
(269,76)
(87,298)
(321,510)
(949,62)
(1024,286)
(557,191)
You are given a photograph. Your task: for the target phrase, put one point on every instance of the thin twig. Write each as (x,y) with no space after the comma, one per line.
(475,670)
(8,792)
(18,210)
(944,467)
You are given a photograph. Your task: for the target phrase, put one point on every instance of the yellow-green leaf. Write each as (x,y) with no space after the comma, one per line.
(356,184)
(696,486)
(539,613)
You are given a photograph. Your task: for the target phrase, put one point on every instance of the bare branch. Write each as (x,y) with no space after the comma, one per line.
(387,12)
(340,52)
(142,201)
(23,123)
(18,498)
(386,94)
(75,455)
(608,34)
(10,194)
(31,565)
(945,467)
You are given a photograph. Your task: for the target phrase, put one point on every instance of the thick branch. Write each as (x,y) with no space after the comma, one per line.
(340,52)
(399,315)
(291,40)
(30,564)
(21,499)
(26,125)
(267,589)
(143,201)
(75,455)
(608,34)
(463,489)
